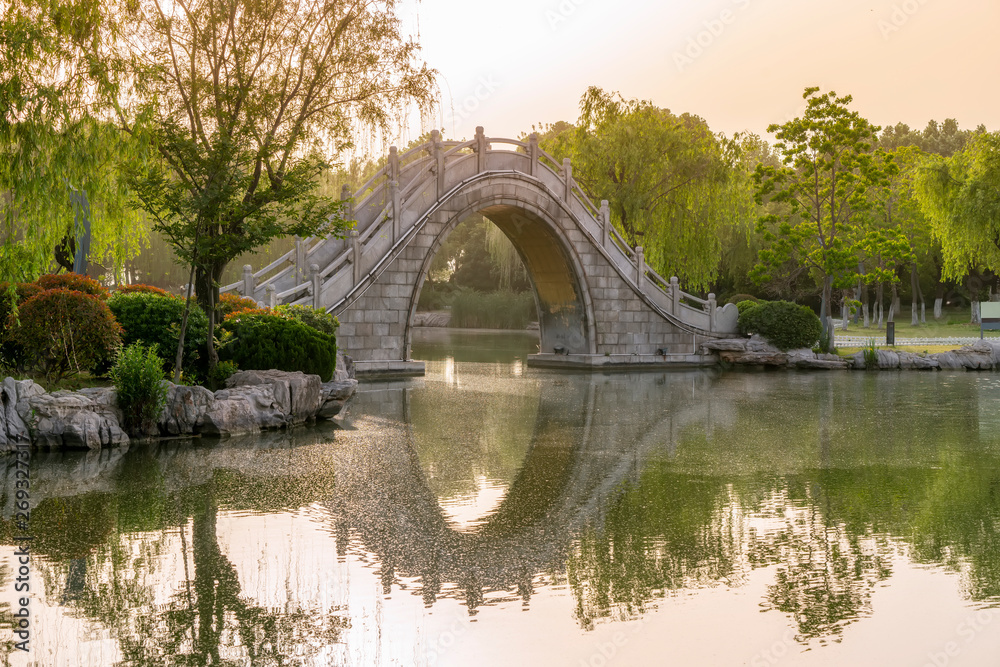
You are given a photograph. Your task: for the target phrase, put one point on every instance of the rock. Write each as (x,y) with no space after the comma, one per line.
(12,428)
(858,361)
(26,389)
(977,357)
(949,361)
(725,345)
(432,319)
(802,355)
(74,421)
(184,408)
(297,395)
(244,409)
(335,397)
(911,361)
(887,360)
(823,364)
(345,368)
(775,358)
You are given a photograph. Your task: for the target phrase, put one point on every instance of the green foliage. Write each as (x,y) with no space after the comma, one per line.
(137,375)
(12,295)
(961,197)
(72,281)
(494,310)
(435,295)
(736,298)
(154,320)
(784,324)
(744,306)
(65,332)
(264,341)
(822,191)
(870,353)
(674,187)
(223,370)
(317,318)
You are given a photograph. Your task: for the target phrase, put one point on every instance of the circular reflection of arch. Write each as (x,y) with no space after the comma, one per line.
(575,464)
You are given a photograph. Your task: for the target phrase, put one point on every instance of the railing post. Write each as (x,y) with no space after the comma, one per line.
(711,312)
(272,296)
(438,161)
(640,267)
(397,210)
(345,196)
(393,163)
(356,255)
(675,295)
(248,281)
(605,223)
(317,281)
(532,153)
(568,177)
(300,260)
(480,150)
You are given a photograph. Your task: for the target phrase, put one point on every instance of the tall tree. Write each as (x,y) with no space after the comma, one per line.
(673,185)
(961,197)
(823,181)
(53,139)
(245,102)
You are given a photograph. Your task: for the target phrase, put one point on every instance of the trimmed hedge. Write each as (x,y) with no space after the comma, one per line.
(263,341)
(317,318)
(155,321)
(74,282)
(12,296)
(64,332)
(784,324)
(138,287)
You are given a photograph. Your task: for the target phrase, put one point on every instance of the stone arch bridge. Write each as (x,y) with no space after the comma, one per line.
(598,303)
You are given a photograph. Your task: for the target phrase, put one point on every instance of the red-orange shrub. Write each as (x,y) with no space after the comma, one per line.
(146,289)
(230,303)
(72,281)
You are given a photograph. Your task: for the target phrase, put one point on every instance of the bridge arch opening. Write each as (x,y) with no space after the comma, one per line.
(562,302)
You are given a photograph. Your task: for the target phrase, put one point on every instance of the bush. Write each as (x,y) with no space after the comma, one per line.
(138,378)
(230,303)
(74,282)
(12,295)
(746,305)
(263,341)
(737,298)
(493,310)
(155,321)
(317,318)
(65,332)
(145,289)
(784,324)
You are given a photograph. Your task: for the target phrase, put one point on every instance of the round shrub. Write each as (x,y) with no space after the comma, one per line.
(155,321)
(263,341)
(737,298)
(138,378)
(72,281)
(746,305)
(138,287)
(317,318)
(65,332)
(784,324)
(230,303)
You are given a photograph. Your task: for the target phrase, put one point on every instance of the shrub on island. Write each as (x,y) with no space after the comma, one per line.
(262,340)
(155,320)
(784,324)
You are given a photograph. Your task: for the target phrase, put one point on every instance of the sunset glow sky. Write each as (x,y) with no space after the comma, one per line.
(740,64)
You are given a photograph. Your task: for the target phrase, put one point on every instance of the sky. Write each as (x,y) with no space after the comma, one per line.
(739,64)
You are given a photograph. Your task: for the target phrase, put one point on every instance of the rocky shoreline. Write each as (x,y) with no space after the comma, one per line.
(983,355)
(252,401)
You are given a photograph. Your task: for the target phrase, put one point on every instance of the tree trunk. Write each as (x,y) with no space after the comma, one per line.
(845,309)
(826,307)
(938,300)
(878,305)
(895,306)
(207,286)
(914,296)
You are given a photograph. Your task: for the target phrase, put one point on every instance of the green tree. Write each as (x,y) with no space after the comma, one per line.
(960,196)
(672,185)
(822,184)
(245,101)
(52,139)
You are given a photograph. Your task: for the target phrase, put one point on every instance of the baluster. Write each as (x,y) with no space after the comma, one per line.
(272,296)
(438,161)
(675,296)
(248,281)
(300,260)
(397,210)
(605,223)
(480,150)
(356,255)
(568,177)
(316,284)
(393,163)
(711,312)
(640,267)
(532,153)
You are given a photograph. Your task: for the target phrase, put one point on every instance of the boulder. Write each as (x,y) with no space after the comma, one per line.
(911,361)
(12,428)
(887,360)
(335,397)
(184,408)
(73,421)
(949,361)
(297,395)
(823,364)
(244,409)
(345,368)
(725,345)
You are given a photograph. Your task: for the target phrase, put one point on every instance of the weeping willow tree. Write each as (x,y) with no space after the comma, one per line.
(54,139)
(504,258)
(673,186)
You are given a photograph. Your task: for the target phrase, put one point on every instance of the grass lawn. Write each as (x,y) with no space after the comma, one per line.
(954,322)
(918,349)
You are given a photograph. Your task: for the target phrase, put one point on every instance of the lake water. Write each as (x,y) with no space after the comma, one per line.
(491,514)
